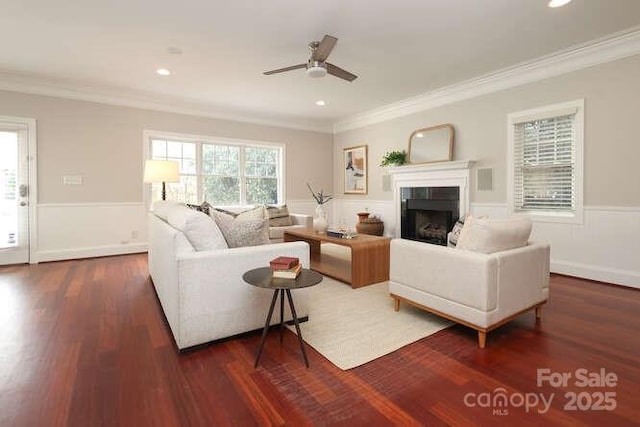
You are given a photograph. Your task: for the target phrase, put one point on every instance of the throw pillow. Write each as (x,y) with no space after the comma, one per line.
(205,207)
(455,231)
(464,232)
(161,208)
(495,235)
(255,213)
(238,232)
(279,216)
(201,231)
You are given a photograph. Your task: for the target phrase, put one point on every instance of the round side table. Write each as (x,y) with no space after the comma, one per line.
(262,278)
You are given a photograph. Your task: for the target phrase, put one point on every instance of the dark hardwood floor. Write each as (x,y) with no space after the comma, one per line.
(84,343)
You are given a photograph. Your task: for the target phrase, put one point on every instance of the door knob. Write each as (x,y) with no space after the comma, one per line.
(23,203)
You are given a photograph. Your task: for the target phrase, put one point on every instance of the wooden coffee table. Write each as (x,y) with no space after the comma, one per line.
(369,257)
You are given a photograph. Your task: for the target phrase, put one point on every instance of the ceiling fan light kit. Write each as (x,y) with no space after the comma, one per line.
(316,70)
(317,66)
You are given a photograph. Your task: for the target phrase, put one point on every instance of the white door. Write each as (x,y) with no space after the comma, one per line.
(14,192)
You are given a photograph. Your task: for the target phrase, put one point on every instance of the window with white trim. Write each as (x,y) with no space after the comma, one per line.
(545,159)
(220,171)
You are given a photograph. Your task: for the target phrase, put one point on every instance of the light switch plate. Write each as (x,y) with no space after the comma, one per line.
(72,180)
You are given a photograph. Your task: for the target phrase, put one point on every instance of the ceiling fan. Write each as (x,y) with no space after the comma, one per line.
(316,65)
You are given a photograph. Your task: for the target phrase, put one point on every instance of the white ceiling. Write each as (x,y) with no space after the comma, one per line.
(399,48)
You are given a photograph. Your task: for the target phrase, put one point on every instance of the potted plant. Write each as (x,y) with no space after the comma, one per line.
(393,158)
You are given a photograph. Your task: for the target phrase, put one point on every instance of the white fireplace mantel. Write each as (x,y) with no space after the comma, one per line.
(442,174)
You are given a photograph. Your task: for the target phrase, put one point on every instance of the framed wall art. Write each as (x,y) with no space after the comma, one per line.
(355,170)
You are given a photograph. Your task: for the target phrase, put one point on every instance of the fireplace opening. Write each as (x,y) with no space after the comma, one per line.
(428,213)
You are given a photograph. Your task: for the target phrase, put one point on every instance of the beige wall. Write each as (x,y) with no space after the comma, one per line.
(103,143)
(612,141)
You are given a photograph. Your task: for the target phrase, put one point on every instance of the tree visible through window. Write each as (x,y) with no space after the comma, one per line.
(221,173)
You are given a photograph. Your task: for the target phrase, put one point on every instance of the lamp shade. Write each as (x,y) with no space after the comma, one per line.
(161,171)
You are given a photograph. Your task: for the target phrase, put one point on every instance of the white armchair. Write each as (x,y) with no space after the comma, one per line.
(481,291)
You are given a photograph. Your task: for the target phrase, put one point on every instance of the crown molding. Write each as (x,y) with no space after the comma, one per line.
(36,86)
(611,48)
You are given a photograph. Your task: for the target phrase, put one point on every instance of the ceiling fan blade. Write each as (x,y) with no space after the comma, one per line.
(324,48)
(339,72)
(282,70)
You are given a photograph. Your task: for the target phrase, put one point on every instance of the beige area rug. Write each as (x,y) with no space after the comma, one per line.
(351,327)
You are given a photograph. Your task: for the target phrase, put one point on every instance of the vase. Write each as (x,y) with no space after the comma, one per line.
(320,221)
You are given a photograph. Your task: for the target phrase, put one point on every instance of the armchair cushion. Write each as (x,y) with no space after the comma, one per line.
(494,235)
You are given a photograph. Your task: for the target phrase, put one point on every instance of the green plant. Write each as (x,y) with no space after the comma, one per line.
(394,157)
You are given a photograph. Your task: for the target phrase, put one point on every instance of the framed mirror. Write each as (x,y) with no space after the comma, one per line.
(432,144)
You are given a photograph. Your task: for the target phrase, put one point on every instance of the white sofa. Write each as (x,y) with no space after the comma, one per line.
(202,293)
(479,290)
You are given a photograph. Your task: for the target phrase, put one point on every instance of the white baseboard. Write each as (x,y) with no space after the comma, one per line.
(599,273)
(91,252)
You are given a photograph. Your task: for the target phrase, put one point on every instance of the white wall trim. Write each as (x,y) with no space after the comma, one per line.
(611,48)
(91,252)
(102,95)
(87,204)
(613,208)
(599,273)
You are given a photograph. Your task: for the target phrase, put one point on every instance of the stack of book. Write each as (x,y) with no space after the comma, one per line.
(285,267)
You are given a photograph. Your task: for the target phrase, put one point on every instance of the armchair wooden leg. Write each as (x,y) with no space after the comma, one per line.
(482,339)
(396,304)
(538,313)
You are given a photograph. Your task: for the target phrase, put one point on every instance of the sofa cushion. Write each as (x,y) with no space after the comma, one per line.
(239,232)
(161,208)
(205,207)
(200,229)
(279,216)
(494,235)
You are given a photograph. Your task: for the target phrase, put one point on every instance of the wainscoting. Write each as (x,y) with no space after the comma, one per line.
(84,230)
(605,247)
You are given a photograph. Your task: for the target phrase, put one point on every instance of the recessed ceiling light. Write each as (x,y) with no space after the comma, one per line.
(558,3)
(163,72)
(321,103)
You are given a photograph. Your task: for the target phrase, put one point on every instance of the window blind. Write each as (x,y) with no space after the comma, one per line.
(544,151)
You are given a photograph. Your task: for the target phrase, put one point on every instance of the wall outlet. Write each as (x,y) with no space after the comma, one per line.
(134,234)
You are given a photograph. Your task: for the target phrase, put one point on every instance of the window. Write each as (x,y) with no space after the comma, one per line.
(545,162)
(220,171)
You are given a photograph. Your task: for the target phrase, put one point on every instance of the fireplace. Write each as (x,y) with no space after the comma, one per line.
(429,198)
(427,214)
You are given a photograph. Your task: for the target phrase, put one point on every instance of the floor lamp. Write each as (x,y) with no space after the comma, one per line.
(161,171)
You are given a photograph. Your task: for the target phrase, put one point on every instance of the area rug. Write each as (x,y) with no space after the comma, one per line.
(351,327)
